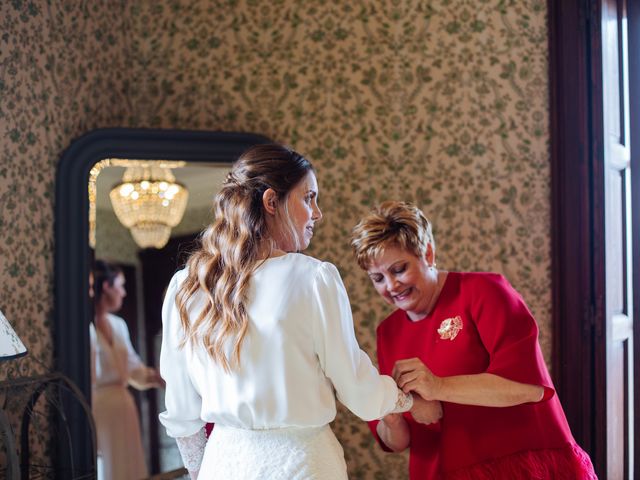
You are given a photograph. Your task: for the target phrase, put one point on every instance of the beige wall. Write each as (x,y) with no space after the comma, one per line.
(443,105)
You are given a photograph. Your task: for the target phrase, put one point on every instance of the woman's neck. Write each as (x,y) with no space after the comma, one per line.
(270,250)
(101,314)
(440,279)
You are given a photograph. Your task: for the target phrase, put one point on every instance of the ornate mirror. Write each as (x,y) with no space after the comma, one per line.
(74,227)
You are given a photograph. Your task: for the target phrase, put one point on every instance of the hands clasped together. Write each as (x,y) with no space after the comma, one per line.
(411,375)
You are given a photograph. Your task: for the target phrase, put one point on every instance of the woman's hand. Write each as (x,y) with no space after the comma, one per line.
(393,430)
(426,411)
(145,377)
(154,379)
(412,375)
(393,419)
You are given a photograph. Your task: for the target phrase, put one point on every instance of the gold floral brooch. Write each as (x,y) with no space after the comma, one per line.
(450,327)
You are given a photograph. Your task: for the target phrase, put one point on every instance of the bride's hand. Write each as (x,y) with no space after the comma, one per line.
(426,411)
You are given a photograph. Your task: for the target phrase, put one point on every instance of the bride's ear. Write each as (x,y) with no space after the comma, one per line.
(269,201)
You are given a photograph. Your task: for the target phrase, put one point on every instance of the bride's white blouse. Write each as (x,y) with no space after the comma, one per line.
(300,348)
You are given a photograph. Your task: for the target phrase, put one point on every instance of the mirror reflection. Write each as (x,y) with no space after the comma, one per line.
(145,217)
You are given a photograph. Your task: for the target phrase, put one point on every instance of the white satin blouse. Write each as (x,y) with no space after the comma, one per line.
(300,352)
(116,363)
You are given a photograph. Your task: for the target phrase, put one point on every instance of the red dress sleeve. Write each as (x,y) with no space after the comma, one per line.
(509,333)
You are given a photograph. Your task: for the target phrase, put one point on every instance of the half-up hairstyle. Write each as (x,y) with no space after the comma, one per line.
(232,246)
(390,224)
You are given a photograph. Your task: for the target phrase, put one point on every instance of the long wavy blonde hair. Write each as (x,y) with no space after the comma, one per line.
(232,247)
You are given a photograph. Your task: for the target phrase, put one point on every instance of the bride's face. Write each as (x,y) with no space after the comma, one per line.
(301,214)
(113,295)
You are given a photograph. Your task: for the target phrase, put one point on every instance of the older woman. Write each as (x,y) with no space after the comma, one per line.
(469,342)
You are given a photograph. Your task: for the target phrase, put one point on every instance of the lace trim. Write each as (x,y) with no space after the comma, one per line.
(192,449)
(403,403)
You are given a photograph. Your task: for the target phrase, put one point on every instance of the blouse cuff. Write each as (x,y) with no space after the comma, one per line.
(192,449)
(403,403)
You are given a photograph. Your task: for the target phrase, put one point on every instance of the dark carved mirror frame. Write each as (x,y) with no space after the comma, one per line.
(72,307)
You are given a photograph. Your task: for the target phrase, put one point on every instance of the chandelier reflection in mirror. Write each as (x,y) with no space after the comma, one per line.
(148,201)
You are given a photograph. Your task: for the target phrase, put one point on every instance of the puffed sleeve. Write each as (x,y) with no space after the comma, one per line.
(509,333)
(134,363)
(137,371)
(358,384)
(182,401)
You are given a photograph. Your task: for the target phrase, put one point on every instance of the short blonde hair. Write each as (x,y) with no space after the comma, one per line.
(391,223)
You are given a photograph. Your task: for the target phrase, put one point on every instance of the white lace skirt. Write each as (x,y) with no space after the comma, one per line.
(292,453)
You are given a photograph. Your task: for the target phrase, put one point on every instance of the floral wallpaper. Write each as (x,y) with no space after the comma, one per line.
(444,103)
(60,64)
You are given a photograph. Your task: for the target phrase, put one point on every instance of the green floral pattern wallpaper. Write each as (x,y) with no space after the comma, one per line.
(443,102)
(60,65)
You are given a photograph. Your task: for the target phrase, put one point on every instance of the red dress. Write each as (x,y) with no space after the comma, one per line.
(490,330)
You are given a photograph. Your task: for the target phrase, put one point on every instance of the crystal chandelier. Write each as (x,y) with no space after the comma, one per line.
(150,203)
